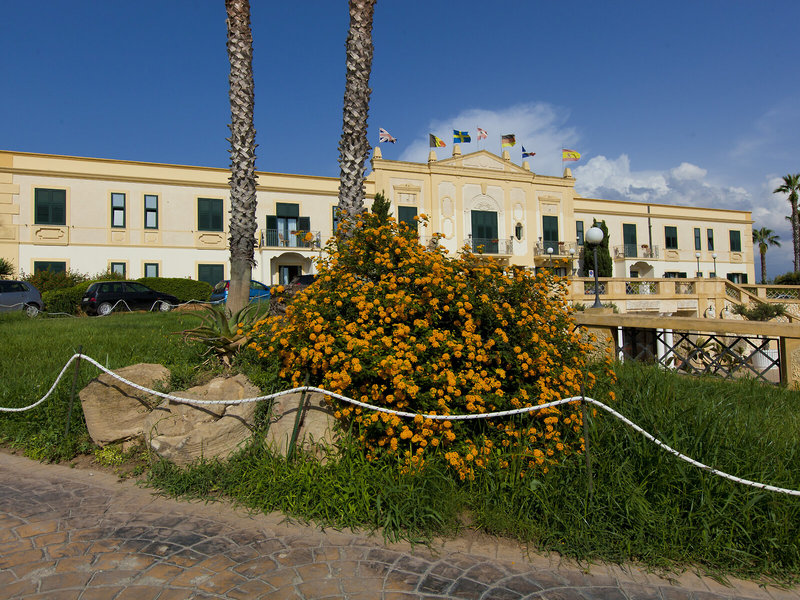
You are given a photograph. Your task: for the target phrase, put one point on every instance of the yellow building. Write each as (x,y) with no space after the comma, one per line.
(146,219)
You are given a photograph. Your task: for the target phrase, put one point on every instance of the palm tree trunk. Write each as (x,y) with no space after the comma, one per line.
(795,234)
(353,146)
(763,249)
(243,153)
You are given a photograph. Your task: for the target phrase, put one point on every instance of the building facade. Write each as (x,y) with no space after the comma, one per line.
(146,219)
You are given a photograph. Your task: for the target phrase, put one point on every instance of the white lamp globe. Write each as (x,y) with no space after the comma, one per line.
(594,235)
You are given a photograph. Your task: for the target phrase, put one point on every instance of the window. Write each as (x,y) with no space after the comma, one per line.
(288,273)
(484,231)
(697,245)
(579,232)
(736,241)
(211,274)
(406,214)
(117,210)
(737,277)
(335,219)
(49,265)
(550,233)
(150,211)
(118,268)
(630,247)
(675,275)
(518,231)
(710,239)
(50,207)
(209,214)
(151,269)
(671,237)
(286,228)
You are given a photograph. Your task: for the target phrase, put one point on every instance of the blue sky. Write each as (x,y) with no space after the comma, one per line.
(693,102)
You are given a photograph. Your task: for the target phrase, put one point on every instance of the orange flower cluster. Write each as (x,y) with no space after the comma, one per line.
(392,323)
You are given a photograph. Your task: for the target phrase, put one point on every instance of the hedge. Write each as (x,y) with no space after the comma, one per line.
(183,289)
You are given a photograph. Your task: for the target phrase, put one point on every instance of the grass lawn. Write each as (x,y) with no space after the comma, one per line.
(643,505)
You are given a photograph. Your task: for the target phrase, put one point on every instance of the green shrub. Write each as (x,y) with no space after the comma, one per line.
(760,312)
(45,281)
(788,279)
(183,289)
(67,300)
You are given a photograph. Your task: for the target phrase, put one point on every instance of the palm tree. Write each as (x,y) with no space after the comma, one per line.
(353,146)
(764,238)
(791,186)
(243,153)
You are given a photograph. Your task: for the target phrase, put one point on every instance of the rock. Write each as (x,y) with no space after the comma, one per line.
(182,433)
(316,430)
(115,411)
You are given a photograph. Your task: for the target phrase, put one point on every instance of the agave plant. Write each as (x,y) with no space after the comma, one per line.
(224,333)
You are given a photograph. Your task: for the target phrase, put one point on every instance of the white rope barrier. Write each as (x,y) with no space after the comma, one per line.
(491,415)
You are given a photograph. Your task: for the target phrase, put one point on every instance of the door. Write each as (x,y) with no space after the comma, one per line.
(484,231)
(550,235)
(287,274)
(629,239)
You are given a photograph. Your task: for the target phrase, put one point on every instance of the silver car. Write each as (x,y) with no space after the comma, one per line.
(20,295)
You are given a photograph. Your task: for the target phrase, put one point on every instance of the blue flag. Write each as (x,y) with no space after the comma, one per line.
(461,136)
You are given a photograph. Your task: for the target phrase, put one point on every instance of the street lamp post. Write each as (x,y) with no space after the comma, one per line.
(594,236)
(697,256)
(714,256)
(572,260)
(550,256)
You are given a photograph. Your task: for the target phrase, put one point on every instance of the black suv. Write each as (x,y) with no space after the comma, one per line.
(102,297)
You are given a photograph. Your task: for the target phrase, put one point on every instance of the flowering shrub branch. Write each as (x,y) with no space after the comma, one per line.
(393,323)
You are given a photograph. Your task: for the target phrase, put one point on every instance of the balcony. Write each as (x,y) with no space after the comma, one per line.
(495,246)
(274,238)
(633,251)
(555,249)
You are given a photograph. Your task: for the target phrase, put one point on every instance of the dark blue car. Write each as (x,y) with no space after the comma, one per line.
(258,292)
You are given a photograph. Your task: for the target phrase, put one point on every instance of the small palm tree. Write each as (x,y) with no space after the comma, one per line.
(764,238)
(243,153)
(6,268)
(791,186)
(353,146)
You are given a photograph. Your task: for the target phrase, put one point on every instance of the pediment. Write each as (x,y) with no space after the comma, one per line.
(482,159)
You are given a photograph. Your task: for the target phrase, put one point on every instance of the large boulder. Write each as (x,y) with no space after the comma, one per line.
(114,410)
(316,428)
(182,433)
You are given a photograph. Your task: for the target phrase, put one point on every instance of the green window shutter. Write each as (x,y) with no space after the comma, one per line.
(211,274)
(209,214)
(406,214)
(50,207)
(304,223)
(283,209)
(671,237)
(736,241)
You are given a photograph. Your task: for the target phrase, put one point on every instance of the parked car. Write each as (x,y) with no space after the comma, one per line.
(20,295)
(102,297)
(258,292)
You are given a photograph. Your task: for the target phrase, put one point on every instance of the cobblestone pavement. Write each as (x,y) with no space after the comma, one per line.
(77,534)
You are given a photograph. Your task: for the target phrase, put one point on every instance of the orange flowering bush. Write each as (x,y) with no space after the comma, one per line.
(392,323)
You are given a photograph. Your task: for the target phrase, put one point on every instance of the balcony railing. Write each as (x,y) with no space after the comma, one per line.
(635,251)
(273,238)
(558,248)
(491,246)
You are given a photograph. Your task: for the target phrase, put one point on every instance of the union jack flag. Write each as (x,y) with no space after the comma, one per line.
(482,135)
(385,136)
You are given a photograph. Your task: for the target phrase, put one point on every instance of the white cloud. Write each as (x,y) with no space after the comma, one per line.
(540,127)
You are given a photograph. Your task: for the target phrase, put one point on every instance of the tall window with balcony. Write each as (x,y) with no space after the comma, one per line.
(671,237)
(484,231)
(118,210)
(697,244)
(49,207)
(710,240)
(629,240)
(286,228)
(579,232)
(550,234)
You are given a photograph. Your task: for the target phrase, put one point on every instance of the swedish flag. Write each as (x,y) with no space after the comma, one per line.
(461,137)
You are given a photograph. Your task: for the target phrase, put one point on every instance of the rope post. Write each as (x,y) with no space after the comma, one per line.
(298,419)
(72,393)
(585,419)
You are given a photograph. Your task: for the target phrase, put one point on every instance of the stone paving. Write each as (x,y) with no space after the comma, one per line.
(77,534)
